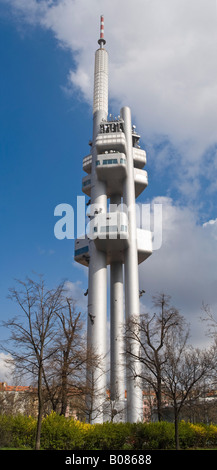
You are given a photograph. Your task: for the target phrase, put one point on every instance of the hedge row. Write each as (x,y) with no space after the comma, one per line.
(60,433)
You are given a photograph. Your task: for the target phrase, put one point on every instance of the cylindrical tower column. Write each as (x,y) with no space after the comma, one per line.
(134,392)
(97,286)
(117,360)
(116,332)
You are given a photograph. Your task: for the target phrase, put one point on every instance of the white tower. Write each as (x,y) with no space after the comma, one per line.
(114,171)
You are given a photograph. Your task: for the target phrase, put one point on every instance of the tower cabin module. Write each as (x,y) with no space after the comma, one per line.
(115,177)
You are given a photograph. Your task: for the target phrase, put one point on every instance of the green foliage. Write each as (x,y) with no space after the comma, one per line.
(211,435)
(63,433)
(108,436)
(17,431)
(158,435)
(5,430)
(197,435)
(60,433)
(186,435)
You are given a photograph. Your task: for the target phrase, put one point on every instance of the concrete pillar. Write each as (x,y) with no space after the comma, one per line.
(134,392)
(97,287)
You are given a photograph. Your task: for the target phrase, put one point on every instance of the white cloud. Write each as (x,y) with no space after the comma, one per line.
(210,222)
(211,228)
(162,61)
(185,265)
(6,370)
(76,292)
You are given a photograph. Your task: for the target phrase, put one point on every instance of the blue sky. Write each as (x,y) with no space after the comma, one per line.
(163,65)
(44,136)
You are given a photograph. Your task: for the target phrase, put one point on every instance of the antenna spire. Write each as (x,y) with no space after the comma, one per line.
(101,41)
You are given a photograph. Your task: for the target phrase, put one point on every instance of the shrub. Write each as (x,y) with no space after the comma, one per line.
(107,436)
(197,435)
(60,433)
(186,435)
(158,435)
(17,431)
(200,434)
(23,429)
(211,435)
(5,430)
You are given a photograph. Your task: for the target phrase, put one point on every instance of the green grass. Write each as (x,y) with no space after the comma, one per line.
(15,448)
(29,448)
(203,448)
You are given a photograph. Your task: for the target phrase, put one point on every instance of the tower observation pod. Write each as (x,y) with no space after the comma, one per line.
(115,178)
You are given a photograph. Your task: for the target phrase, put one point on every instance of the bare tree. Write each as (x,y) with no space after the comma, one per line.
(47,344)
(211,319)
(32,333)
(115,408)
(65,372)
(201,405)
(151,332)
(183,372)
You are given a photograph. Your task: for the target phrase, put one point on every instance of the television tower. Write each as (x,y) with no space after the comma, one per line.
(114,172)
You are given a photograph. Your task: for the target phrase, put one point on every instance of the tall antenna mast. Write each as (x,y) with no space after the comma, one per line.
(102,41)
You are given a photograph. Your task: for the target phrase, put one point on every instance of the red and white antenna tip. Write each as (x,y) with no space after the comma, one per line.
(101,40)
(102,27)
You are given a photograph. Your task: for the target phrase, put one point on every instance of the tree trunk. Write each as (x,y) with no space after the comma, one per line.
(176,422)
(40,408)
(64,398)
(64,405)
(159,399)
(38,432)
